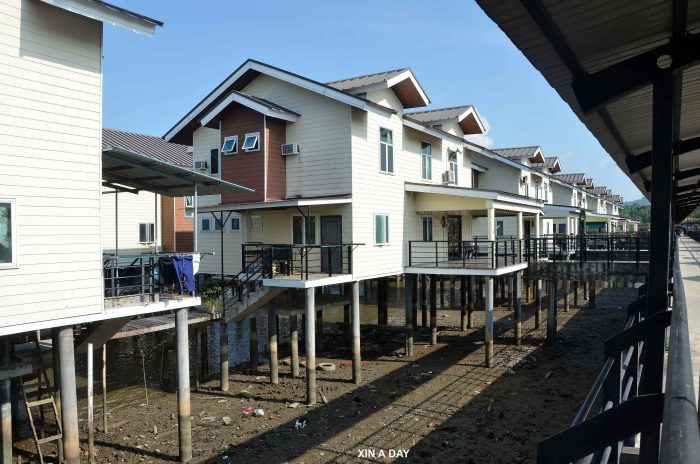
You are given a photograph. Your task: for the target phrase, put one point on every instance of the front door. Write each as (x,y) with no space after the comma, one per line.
(331,234)
(454,237)
(527,225)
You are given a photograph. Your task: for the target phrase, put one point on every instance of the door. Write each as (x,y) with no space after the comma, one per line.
(331,234)
(454,237)
(527,225)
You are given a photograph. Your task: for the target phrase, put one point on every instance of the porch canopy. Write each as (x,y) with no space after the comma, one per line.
(296,203)
(603,58)
(130,171)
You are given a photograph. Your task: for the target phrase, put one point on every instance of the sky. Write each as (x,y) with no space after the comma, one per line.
(457,53)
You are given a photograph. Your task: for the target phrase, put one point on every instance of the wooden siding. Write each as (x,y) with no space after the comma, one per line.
(177,232)
(134,209)
(50,153)
(276,186)
(244,168)
(203,140)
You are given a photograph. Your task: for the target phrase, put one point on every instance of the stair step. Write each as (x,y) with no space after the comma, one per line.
(56,437)
(34,404)
(35,385)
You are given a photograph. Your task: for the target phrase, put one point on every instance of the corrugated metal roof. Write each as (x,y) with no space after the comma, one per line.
(552,163)
(568,40)
(576,178)
(155,147)
(267,103)
(351,83)
(517,152)
(439,114)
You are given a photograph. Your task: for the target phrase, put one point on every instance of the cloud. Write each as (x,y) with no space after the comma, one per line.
(567,155)
(479,139)
(605,162)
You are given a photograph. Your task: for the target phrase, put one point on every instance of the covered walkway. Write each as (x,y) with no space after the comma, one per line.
(689,260)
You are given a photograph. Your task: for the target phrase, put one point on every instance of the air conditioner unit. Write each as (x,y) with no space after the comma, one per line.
(201,165)
(290,149)
(448,177)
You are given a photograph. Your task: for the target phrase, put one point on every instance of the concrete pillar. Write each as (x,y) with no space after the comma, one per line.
(424,299)
(510,295)
(453,292)
(591,294)
(414,302)
(488,330)
(356,353)
(409,283)
(517,304)
(56,352)
(519,225)
(433,311)
(576,293)
(538,226)
(442,292)
(382,310)
(294,344)
(183,385)
(552,314)
(310,329)
(319,330)
(253,344)
(470,302)
(491,225)
(5,403)
(585,290)
(69,399)
(223,356)
(538,303)
(463,303)
(272,331)
(567,292)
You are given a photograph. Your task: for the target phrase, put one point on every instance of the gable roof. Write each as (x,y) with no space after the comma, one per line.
(551,163)
(534,154)
(466,116)
(258,104)
(182,131)
(154,147)
(402,81)
(575,179)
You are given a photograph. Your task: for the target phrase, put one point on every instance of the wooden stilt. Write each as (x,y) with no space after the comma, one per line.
(470,302)
(517,306)
(294,345)
(591,294)
(488,326)
(272,338)
(552,314)
(538,303)
(409,303)
(90,406)
(5,403)
(424,299)
(382,310)
(253,344)
(433,310)
(356,354)
(183,385)
(223,356)
(69,399)
(104,388)
(310,347)
(463,303)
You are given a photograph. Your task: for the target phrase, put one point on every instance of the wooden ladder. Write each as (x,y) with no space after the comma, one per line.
(38,395)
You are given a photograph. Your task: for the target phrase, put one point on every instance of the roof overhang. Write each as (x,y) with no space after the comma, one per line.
(405,86)
(124,168)
(110,14)
(237,97)
(182,131)
(471,123)
(426,129)
(560,211)
(280,204)
(502,200)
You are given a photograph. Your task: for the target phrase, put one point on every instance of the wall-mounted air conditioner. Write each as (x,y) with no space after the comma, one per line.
(448,177)
(290,149)
(201,165)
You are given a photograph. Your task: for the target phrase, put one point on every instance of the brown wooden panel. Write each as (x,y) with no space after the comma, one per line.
(244,168)
(276,168)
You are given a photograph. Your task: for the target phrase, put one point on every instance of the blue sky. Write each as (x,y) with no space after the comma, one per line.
(457,53)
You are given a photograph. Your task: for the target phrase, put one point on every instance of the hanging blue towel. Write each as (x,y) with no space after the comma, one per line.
(183,268)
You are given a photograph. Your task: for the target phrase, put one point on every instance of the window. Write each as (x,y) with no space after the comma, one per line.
(235,224)
(303,234)
(206,225)
(427,228)
(218,225)
(381,229)
(256,224)
(426,157)
(8,233)
(452,158)
(230,145)
(189,202)
(214,162)
(475,178)
(189,213)
(147,232)
(562,228)
(251,142)
(386,151)
(499,228)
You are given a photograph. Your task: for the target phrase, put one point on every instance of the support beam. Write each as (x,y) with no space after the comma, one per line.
(69,399)
(567,291)
(56,354)
(488,326)
(424,299)
(463,303)
(538,303)
(319,330)
(517,305)
(223,356)
(272,331)
(90,405)
(5,403)
(183,385)
(294,345)
(591,294)
(643,160)
(356,353)
(104,388)
(470,302)
(433,311)
(382,310)
(310,330)
(409,282)
(253,344)
(552,314)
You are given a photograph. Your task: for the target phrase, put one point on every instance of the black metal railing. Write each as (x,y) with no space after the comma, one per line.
(138,275)
(620,409)
(633,248)
(466,254)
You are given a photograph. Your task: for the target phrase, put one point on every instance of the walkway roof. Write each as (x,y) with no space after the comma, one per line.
(601,57)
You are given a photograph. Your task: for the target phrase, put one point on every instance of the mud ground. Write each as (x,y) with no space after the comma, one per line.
(440,406)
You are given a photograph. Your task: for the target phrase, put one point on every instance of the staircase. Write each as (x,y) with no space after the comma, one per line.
(245,293)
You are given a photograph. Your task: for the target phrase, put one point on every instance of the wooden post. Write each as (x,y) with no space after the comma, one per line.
(591,294)
(104,387)
(576,293)
(552,314)
(488,327)
(319,330)
(294,344)
(470,302)
(382,310)
(253,344)
(69,399)
(204,353)
(510,297)
(272,337)
(538,303)
(356,354)
(463,303)
(57,384)
(585,290)
(6,403)
(183,384)
(442,292)
(453,292)
(424,299)
(414,303)
(90,406)
(409,303)
(310,329)
(223,355)
(518,309)
(567,291)
(433,310)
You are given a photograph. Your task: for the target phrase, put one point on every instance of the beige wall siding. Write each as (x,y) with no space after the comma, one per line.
(133,209)
(50,153)
(323,131)
(203,140)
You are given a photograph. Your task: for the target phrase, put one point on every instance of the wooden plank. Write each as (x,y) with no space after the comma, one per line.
(146,325)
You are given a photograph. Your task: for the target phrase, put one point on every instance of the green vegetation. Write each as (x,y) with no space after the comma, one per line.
(637,210)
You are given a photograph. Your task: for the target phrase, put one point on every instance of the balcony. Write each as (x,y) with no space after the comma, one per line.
(476,254)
